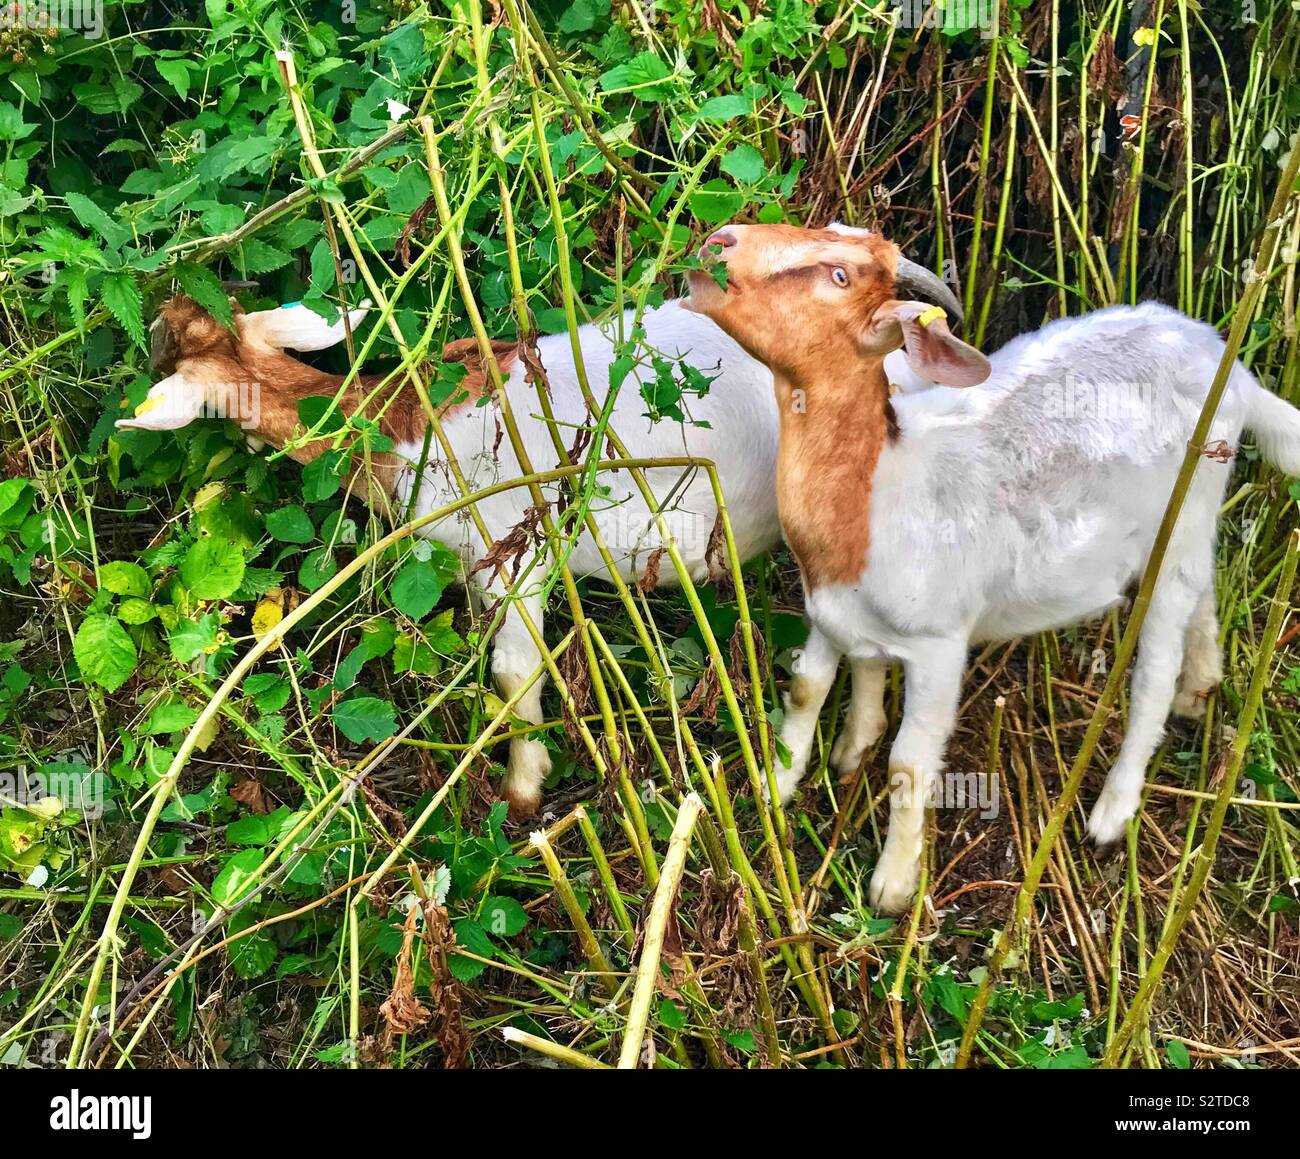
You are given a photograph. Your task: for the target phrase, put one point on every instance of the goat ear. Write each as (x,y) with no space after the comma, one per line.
(931,349)
(295,327)
(174,402)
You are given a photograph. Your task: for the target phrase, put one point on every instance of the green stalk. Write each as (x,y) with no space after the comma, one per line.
(981,184)
(601,862)
(1018,926)
(1138,1010)
(586,935)
(166,784)
(661,908)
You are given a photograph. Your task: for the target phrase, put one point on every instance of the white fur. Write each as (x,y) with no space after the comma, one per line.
(172,402)
(296,327)
(740,437)
(1029,503)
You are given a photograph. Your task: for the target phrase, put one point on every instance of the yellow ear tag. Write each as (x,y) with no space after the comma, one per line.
(146,406)
(931,315)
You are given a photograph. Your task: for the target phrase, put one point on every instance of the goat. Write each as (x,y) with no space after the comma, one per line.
(946,517)
(734,425)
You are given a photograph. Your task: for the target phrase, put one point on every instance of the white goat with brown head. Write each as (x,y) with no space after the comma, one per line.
(945,516)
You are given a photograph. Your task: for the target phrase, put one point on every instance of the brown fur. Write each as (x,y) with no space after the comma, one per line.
(832,402)
(819,308)
(825,462)
(206,352)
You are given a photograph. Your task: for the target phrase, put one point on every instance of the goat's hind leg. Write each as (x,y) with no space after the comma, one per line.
(864,722)
(1155,676)
(1202,659)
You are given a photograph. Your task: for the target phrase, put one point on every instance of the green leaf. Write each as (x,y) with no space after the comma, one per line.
(416,589)
(97,220)
(258,830)
(375,642)
(11,490)
(12,125)
(470,935)
(206,289)
(715,202)
(503,916)
(270,691)
(745,164)
(253,954)
(641,74)
(235,877)
(581,15)
(121,296)
(124,579)
(671,1015)
(169,718)
(290,525)
(313,409)
(212,569)
(365,718)
(409,191)
(725,107)
(191,637)
(177,74)
(322,477)
(323,271)
(135,611)
(254,154)
(318,568)
(105,653)
(260,258)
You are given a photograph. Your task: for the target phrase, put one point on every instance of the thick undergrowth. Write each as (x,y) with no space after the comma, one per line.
(248,744)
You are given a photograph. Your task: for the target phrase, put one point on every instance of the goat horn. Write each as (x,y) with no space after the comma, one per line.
(162,345)
(913,281)
(232,287)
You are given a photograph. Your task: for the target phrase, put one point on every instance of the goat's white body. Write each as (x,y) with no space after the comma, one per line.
(740,438)
(1029,503)
(1001,511)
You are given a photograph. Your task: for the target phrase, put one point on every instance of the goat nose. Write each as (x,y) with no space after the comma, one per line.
(722,237)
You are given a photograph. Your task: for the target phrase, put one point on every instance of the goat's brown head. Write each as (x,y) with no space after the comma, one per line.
(215,372)
(805,300)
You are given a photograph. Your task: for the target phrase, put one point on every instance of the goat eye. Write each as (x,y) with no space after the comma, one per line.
(839,277)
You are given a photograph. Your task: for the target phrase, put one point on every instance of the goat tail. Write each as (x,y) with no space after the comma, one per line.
(1276,425)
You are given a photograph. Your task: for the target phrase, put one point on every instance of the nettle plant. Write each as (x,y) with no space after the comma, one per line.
(134,166)
(216,141)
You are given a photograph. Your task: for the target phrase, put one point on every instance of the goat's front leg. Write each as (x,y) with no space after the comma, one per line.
(864,723)
(514,657)
(814,674)
(932,690)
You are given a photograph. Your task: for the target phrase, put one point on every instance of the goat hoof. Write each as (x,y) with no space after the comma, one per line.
(1108,821)
(892,886)
(853,743)
(529,766)
(787,785)
(1190,702)
(846,756)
